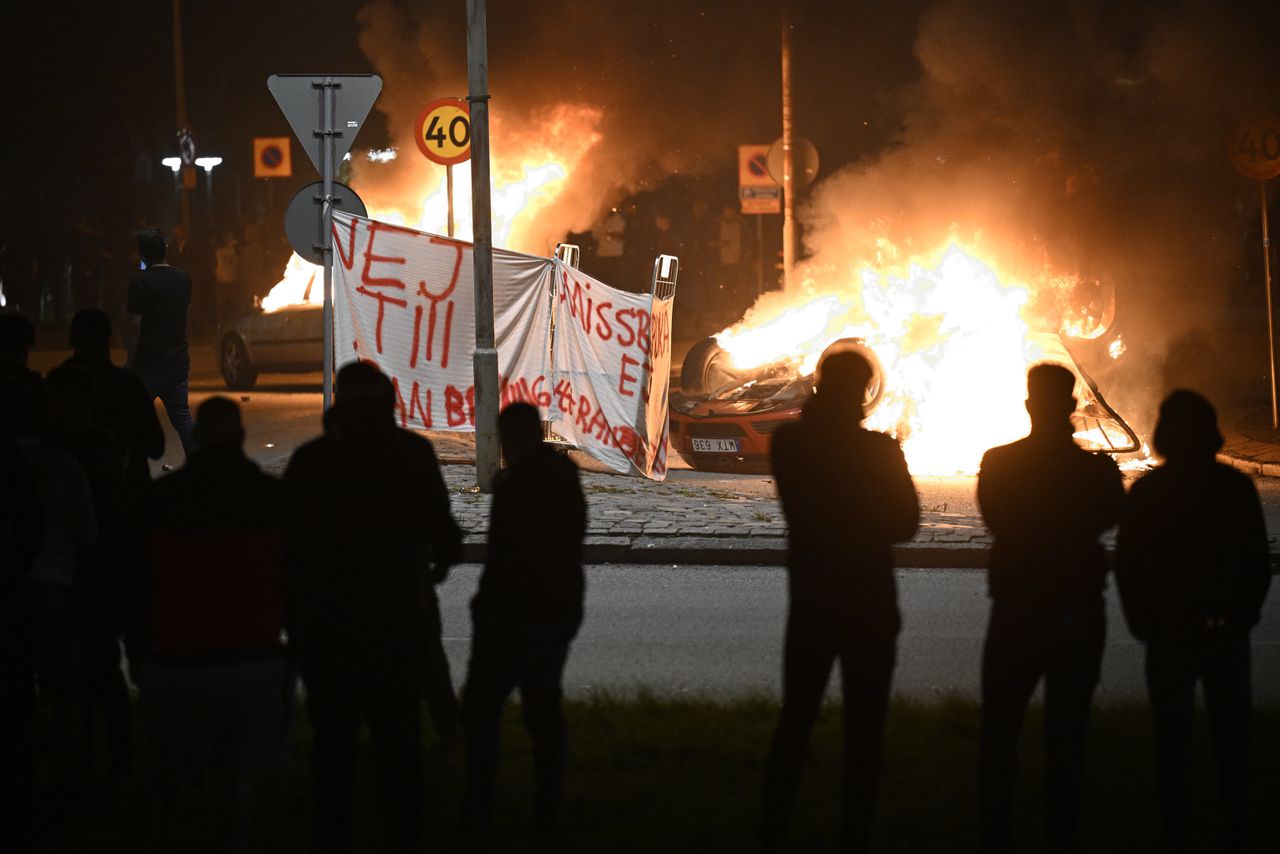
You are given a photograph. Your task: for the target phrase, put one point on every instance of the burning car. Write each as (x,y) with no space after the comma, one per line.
(949,346)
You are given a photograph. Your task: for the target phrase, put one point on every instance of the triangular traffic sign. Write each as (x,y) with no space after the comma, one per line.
(301,98)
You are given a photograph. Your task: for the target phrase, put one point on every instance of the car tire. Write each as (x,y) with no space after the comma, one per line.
(875,388)
(705,368)
(233,361)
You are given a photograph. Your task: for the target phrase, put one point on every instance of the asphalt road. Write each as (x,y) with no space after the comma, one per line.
(718,630)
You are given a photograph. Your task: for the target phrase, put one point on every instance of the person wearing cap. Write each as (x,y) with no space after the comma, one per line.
(1193,571)
(848,497)
(1046,502)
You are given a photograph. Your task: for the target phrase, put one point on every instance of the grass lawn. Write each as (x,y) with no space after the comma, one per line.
(658,774)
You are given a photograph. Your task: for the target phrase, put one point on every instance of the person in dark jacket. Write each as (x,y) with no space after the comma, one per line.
(1046,502)
(204,613)
(1193,571)
(159,301)
(525,613)
(70,426)
(848,497)
(375,535)
(121,403)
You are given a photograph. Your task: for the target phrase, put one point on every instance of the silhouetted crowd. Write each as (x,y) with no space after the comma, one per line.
(226,585)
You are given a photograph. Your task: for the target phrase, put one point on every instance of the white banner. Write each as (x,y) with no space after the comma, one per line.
(613,373)
(404,300)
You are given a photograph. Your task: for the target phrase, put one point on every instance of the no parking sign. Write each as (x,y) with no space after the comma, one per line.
(272,157)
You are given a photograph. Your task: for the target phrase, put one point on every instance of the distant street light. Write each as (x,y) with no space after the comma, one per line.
(207,164)
(174,163)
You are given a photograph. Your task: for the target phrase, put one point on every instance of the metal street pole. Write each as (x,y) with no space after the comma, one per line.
(488,452)
(448,179)
(788,157)
(328,92)
(180,84)
(1271,335)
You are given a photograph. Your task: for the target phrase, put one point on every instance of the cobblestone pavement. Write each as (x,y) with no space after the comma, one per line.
(682,522)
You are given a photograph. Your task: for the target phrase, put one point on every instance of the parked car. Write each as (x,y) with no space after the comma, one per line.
(289,340)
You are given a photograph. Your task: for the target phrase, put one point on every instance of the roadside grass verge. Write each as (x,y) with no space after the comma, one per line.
(653,773)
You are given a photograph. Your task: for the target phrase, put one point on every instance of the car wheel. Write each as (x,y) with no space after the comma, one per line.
(875,388)
(705,368)
(233,360)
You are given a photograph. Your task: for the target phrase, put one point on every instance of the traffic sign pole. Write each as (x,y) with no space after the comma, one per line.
(1255,152)
(488,452)
(788,165)
(327,129)
(339,122)
(1271,335)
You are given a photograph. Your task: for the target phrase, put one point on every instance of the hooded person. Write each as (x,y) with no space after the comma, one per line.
(1193,570)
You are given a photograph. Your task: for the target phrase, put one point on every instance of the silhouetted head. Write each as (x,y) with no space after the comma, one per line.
(520,430)
(17,337)
(91,333)
(152,245)
(843,376)
(1050,401)
(218,424)
(1187,427)
(364,397)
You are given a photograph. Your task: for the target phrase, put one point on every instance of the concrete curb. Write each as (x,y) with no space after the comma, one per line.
(734,551)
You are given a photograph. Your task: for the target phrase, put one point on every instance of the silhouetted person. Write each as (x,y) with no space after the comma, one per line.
(375,534)
(1193,571)
(159,299)
(70,532)
(70,426)
(205,613)
(848,498)
(1046,502)
(525,613)
(21,532)
(121,402)
(17,337)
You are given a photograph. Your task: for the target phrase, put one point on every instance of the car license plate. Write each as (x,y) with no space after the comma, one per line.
(716,446)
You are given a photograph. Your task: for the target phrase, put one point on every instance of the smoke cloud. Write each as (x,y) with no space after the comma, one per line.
(1077,140)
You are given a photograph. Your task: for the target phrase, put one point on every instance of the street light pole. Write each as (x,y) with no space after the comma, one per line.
(180,84)
(788,156)
(485,362)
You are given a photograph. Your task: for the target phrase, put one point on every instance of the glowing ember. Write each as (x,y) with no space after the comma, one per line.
(952,340)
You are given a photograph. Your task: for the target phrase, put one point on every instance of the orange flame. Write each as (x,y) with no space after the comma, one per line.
(952,337)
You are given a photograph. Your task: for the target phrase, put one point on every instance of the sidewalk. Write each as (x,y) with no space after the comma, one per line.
(1251,445)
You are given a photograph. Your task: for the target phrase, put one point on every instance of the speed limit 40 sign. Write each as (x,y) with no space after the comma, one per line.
(1255,147)
(444,131)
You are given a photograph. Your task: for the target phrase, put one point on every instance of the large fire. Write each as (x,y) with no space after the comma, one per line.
(529,172)
(954,342)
